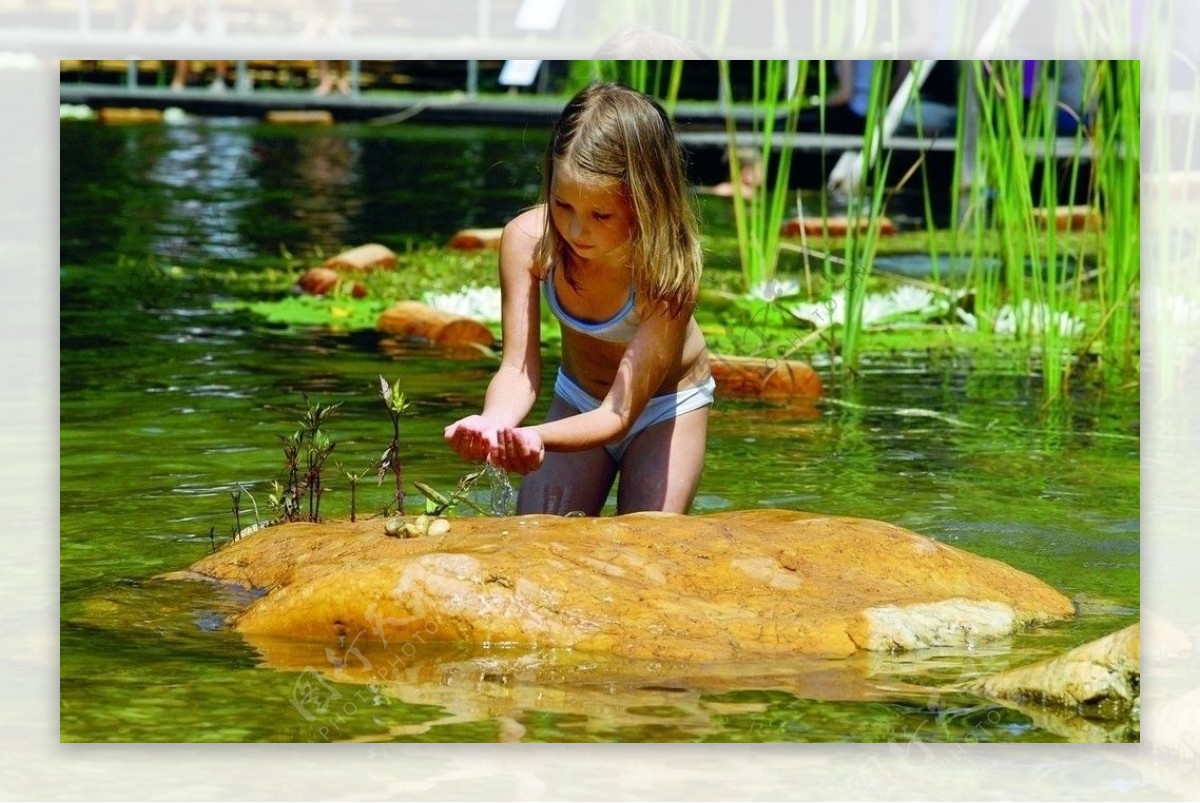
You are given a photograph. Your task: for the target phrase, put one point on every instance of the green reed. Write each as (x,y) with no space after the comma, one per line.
(758,218)
(1117,168)
(866,201)
(1014,133)
(1005,165)
(661,79)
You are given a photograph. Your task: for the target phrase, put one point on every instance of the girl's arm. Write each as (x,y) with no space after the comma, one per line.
(655,351)
(513,390)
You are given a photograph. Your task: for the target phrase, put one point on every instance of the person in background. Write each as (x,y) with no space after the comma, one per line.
(614,247)
(845,109)
(330,78)
(934,112)
(183,72)
(751,174)
(220,81)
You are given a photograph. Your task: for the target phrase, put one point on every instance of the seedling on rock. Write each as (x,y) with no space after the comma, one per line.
(396,404)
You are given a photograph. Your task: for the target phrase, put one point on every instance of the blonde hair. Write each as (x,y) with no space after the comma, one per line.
(616,135)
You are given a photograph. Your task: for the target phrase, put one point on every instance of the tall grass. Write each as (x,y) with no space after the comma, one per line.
(661,79)
(1016,133)
(1001,141)
(759,217)
(867,201)
(1117,169)
(1007,168)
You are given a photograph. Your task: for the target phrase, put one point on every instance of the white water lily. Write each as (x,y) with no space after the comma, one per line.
(1038,318)
(772,289)
(903,300)
(480,303)
(822,313)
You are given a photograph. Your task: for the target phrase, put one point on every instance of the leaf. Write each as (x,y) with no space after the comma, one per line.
(431,493)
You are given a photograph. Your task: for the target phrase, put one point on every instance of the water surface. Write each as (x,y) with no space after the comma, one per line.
(168,404)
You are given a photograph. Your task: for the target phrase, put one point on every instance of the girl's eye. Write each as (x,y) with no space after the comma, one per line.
(562,204)
(602,215)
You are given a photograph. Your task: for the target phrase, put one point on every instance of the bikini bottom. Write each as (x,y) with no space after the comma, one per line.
(658,409)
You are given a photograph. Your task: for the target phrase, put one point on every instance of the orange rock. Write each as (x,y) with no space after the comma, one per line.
(300,116)
(473,239)
(318,281)
(835,226)
(371,256)
(416,320)
(129,115)
(732,586)
(765,378)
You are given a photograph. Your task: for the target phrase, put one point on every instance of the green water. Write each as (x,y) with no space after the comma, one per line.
(167,404)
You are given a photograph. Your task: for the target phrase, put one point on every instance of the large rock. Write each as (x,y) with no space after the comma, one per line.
(746,585)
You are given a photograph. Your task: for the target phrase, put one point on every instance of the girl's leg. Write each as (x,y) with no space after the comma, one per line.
(568,481)
(661,468)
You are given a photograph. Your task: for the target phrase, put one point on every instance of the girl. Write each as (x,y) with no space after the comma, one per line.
(615,249)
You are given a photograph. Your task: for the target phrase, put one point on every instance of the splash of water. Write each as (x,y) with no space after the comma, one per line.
(504,498)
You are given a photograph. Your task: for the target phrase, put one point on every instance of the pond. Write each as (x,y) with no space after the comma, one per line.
(169,401)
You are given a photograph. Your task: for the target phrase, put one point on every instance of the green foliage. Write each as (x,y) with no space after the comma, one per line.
(759,218)
(660,79)
(396,404)
(338,313)
(866,202)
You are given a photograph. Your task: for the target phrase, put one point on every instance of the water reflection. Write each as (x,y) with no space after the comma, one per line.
(203,180)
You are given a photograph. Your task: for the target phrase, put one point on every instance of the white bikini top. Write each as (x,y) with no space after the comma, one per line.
(620,328)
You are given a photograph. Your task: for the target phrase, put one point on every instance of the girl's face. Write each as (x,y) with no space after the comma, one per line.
(595,220)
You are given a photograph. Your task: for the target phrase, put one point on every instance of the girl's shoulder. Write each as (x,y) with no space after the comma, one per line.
(528,226)
(520,238)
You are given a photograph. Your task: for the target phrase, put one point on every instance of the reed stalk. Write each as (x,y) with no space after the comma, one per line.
(657,78)
(759,218)
(867,201)
(1117,169)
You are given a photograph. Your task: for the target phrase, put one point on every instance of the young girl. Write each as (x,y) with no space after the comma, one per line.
(615,249)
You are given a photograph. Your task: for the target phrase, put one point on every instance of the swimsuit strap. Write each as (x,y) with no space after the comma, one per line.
(619,327)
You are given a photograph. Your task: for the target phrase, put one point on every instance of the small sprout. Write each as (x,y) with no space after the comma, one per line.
(396,404)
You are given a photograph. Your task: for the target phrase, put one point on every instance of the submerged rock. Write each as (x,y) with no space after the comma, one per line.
(748,585)
(1100,680)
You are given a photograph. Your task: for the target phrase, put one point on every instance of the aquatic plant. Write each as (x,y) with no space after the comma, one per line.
(352,480)
(480,303)
(1015,134)
(318,447)
(235,498)
(777,88)
(1116,147)
(286,499)
(396,403)
(501,492)
(645,76)
(867,201)
(437,503)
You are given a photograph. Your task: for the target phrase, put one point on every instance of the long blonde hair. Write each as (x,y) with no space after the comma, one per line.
(620,136)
